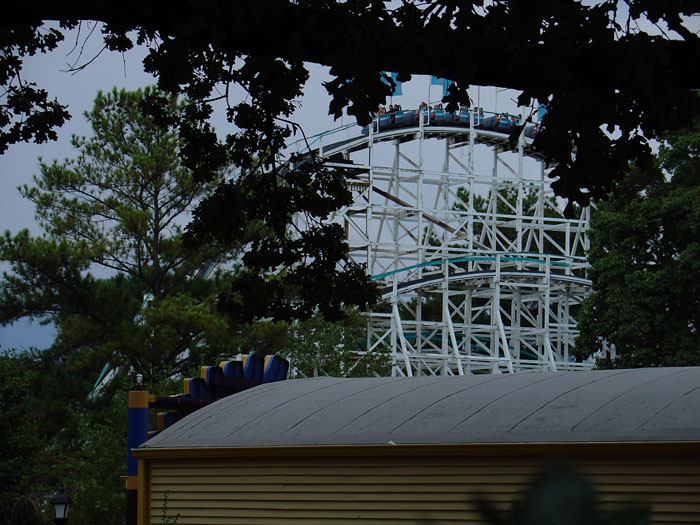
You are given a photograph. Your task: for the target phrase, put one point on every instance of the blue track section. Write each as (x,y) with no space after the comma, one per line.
(500,122)
(500,125)
(533,258)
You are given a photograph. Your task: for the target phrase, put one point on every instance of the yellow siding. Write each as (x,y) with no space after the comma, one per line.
(398,489)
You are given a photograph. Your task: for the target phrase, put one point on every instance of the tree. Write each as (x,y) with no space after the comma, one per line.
(316,347)
(21,454)
(91,464)
(117,207)
(591,64)
(645,257)
(56,437)
(116,274)
(20,443)
(321,348)
(610,87)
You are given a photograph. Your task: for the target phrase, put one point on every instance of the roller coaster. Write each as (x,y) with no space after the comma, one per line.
(479,271)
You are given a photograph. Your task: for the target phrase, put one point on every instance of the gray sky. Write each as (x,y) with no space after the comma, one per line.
(20,162)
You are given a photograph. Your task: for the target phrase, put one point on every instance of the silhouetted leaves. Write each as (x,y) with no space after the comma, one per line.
(609,89)
(590,66)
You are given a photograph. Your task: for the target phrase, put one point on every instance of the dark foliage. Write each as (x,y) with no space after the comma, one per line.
(592,67)
(255,210)
(592,70)
(18,406)
(609,87)
(645,257)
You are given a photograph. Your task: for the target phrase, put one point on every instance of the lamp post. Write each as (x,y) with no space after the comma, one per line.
(60,503)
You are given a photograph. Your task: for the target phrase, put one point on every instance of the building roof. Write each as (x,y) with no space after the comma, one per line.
(654,404)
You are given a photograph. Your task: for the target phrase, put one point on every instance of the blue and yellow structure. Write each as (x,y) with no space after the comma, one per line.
(138,433)
(214,383)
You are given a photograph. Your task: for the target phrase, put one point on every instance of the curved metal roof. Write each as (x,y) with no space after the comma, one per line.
(659,404)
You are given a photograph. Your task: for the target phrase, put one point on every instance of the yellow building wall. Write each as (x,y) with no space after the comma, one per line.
(407,489)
